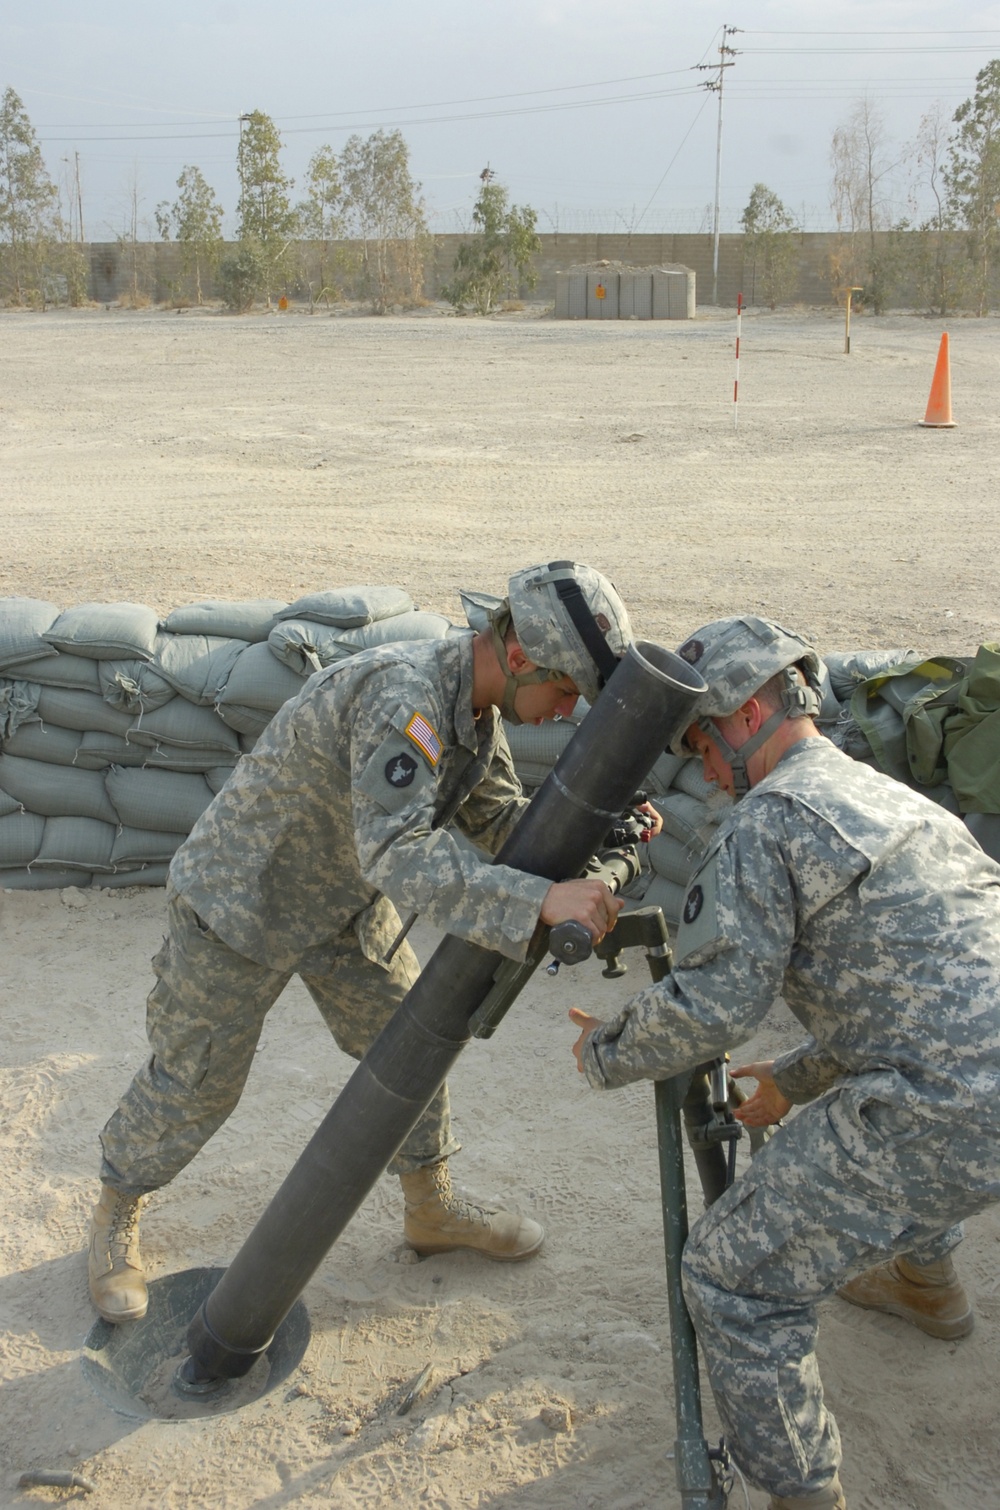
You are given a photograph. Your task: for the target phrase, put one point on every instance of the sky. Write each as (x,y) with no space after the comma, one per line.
(593,112)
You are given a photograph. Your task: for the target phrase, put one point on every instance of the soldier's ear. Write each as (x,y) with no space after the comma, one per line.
(517,661)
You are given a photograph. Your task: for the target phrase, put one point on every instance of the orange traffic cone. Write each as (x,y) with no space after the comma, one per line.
(938,416)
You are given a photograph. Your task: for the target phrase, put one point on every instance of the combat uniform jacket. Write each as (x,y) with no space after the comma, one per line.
(341,811)
(875,915)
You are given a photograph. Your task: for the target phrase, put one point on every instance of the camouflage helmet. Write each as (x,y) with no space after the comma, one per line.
(569,620)
(736,657)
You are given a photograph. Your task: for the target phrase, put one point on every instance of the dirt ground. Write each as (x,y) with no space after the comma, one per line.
(166,457)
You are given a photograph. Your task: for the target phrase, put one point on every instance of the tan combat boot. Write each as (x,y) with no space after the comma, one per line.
(929,1296)
(438,1221)
(829,1498)
(117,1283)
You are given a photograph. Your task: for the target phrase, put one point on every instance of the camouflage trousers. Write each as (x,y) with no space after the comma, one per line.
(204,1018)
(852,1180)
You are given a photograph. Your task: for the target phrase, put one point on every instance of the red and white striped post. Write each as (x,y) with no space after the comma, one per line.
(736,380)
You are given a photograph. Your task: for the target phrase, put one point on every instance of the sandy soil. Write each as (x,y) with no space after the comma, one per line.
(166,457)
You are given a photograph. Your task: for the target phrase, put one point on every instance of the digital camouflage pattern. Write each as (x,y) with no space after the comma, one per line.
(545,630)
(329,824)
(736,656)
(877,917)
(204,1018)
(291,869)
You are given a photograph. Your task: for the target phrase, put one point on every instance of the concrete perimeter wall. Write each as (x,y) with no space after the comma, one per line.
(158,270)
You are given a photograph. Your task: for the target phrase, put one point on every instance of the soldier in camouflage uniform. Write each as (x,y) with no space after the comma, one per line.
(876,916)
(387,782)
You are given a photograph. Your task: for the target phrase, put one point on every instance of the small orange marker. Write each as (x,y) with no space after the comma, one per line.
(938,416)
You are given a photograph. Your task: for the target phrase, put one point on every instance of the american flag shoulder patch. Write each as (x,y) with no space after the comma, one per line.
(424,737)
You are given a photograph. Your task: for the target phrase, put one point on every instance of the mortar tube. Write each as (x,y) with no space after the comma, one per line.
(647,700)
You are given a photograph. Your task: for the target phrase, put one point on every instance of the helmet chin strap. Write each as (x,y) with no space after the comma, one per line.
(500,622)
(799,701)
(737,759)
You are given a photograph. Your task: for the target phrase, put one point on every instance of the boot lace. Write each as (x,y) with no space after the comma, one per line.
(455,1204)
(123,1234)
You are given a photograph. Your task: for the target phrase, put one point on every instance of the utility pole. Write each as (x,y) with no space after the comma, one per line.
(726,54)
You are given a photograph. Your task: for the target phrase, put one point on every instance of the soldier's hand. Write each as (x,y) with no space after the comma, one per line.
(655,819)
(588,1024)
(767,1105)
(588,902)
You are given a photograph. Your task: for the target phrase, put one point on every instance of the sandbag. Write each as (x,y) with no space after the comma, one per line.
(672,858)
(21,836)
(250,620)
(168,801)
(144,846)
(847,669)
(57,670)
(18,705)
(258,683)
(218,775)
(142,875)
(349,607)
(96,751)
(56,791)
(306,646)
(45,742)
(44,880)
(71,708)
(9,804)
(687,819)
(666,895)
(105,631)
(177,758)
(134,687)
(23,622)
(76,844)
(184,725)
(197,665)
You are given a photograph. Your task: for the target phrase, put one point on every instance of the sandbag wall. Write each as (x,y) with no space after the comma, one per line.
(116,728)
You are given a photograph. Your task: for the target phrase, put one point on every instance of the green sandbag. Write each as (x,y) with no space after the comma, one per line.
(21,836)
(45,742)
(73,709)
(56,670)
(167,801)
(76,844)
(251,620)
(197,665)
(105,631)
(185,726)
(56,791)
(349,607)
(23,621)
(144,846)
(44,880)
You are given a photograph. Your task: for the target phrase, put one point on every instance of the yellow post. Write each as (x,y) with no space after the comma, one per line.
(847,319)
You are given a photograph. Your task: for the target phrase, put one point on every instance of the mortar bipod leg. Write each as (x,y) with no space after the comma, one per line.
(697,1474)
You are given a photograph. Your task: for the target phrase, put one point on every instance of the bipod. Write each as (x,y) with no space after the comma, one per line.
(702,1472)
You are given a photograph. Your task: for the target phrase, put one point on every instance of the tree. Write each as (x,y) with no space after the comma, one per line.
(385,212)
(196,220)
(498,260)
(972,177)
(935,259)
(768,246)
(266,218)
(322,220)
(29,205)
(863,165)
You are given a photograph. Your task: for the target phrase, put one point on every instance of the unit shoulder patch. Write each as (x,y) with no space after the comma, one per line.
(394,777)
(699,927)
